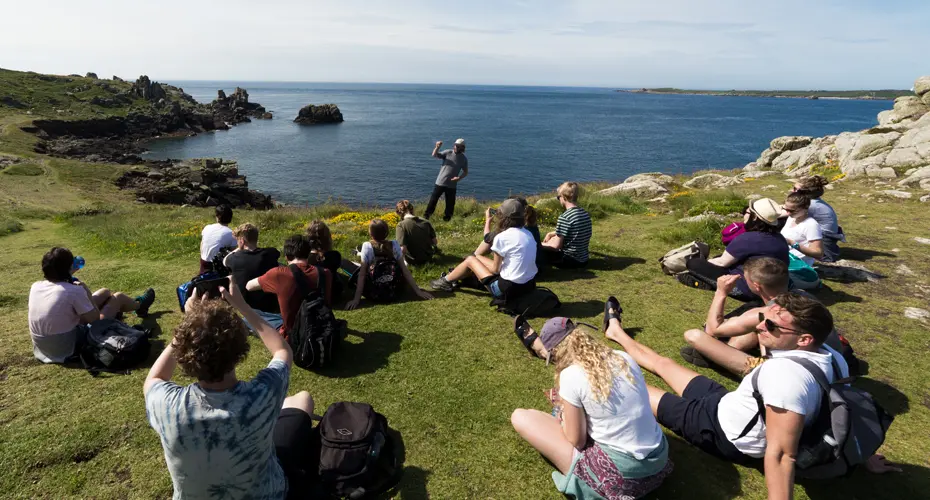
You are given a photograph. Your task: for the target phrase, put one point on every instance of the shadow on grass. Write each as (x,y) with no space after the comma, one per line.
(582,309)
(892,400)
(598,262)
(912,482)
(368,356)
(414,479)
(829,296)
(697,475)
(862,254)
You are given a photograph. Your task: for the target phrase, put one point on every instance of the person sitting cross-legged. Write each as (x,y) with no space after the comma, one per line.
(416,236)
(512,269)
(248,262)
(216,237)
(61,305)
(603,439)
(567,246)
(222,437)
(727,424)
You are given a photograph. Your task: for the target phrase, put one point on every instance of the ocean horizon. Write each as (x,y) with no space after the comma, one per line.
(520,140)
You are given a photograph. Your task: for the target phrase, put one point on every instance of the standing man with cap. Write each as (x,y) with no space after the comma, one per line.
(454,168)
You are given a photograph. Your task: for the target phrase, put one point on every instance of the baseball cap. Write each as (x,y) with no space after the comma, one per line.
(767,210)
(554,332)
(512,209)
(460,141)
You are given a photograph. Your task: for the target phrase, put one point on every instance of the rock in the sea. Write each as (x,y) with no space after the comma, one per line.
(641,188)
(317,115)
(267,115)
(711,180)
(235,108)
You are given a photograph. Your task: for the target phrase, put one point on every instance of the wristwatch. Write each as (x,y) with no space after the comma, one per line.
(796,246)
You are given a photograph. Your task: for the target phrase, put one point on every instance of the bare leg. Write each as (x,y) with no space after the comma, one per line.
(655,395)
(544,433)
(675,375)
(100,297)
(471,265)
(719,352)
(538,346)
(119,302)
(744,342)
(302,401)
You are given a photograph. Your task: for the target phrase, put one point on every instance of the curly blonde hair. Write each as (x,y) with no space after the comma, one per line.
(210,341)
(600,363)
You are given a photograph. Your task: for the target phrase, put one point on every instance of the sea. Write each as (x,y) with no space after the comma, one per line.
(520,140)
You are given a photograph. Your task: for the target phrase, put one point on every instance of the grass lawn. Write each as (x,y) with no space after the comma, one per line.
(447,373)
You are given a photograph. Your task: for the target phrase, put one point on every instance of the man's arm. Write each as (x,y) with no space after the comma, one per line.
(715,314)
(436,151)
(462,175)
(253,285)
(162,370)
(555,241)
(782,433)
(273,341)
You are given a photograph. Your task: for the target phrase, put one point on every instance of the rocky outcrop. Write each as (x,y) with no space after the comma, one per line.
(646,185)
(147,89)
(235,108)
(91,74)
(201,182)
(318,115)
(901,141)
(708,181)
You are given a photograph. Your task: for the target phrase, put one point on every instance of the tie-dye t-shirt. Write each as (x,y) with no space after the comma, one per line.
(218,444)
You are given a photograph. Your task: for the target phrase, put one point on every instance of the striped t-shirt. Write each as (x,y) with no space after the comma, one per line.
(574,227)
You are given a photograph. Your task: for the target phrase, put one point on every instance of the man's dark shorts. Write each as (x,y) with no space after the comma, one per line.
(693,416)
(297,448)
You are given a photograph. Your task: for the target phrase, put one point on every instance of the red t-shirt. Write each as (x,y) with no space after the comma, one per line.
(280,281)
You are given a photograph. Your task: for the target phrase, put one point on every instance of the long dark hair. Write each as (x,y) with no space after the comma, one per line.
(813,186)
(378,230)
(755,223)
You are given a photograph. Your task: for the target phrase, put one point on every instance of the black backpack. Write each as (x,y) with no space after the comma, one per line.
(383,280)
(849,428)
(358,456)
(316,330)
(540,302)
(113,346)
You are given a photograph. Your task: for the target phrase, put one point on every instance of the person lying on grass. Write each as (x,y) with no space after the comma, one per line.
(767,278)
(726,424)
(602,437)
(512,269)
(381,281)
(223,437)
(61,305)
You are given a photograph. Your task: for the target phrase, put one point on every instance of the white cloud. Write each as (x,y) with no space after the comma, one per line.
(684,43)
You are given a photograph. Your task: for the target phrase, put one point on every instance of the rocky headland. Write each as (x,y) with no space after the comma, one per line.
(319,115)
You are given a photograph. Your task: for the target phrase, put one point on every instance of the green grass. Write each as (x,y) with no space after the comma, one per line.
(725,202)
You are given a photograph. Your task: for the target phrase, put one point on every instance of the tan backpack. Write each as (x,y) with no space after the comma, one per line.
(675,261)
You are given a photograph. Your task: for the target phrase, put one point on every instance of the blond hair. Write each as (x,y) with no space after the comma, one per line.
(246,231)
(569,191)
(599,362)
(403,208)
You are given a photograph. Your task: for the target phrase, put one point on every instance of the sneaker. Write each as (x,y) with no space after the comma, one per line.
(691,355)
(145,302)
(442,284)
(692,281)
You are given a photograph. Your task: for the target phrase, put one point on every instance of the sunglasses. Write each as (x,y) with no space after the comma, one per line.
(770,325)
(791,211)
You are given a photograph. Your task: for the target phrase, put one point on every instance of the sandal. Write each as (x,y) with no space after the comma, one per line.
(612,303)
(522,328)
(691,355)
(692,281)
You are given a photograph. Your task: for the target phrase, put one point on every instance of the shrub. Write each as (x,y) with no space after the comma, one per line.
(707,230)
(10,226)
(26,169)
(718,202)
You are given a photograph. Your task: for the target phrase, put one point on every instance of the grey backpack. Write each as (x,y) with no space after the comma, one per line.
(849,428)
(676,261)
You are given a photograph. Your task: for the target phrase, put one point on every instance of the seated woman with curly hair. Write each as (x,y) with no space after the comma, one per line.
(602,436)
(223,436)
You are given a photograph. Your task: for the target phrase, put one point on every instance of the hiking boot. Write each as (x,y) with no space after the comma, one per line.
(145,302)
(442,284)
(691,355)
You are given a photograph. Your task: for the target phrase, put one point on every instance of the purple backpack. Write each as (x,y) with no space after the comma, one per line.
(730,232)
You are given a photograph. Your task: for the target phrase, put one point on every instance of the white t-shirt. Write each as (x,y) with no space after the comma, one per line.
(54,310)
(213,238)
(624,421)
(803,234)
(368,252)
(518,249)
(783,384)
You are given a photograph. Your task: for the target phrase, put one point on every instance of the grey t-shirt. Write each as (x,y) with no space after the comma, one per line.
(452,164)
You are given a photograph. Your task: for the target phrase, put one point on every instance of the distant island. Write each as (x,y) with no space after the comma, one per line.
(867,95)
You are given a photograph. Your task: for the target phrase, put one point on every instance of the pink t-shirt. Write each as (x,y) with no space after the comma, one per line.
(54,310)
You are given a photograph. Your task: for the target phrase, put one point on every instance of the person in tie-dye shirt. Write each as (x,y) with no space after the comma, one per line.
(225,438)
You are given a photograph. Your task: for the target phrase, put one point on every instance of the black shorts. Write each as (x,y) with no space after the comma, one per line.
(296,446)
(693,416)
(557,258)
(504,289)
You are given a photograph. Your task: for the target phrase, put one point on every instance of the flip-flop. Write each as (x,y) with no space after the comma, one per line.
(521,327)
(612,303)
(691,355)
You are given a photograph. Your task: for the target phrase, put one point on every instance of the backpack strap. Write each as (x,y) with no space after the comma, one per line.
(301,280)
(760,414)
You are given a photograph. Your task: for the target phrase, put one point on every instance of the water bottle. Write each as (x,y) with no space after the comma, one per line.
(376,446)
(78,264)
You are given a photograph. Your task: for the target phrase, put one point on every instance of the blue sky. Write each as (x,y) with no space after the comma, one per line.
(789,44)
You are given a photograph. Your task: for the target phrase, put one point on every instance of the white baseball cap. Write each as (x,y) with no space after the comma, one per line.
(460,141)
